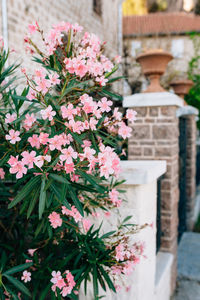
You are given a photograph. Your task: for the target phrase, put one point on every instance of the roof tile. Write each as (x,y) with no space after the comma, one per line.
(160,23)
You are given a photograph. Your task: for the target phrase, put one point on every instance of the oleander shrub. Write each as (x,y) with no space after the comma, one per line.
(58,167)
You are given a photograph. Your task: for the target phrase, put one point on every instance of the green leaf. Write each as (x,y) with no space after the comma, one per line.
(25,191)
(107,278)
(95,283)
(106,235)
(44,292)
(92,180)
(19,285)
(39,227)
(71,191)
(42,198)
(32,203)
(59,178)
(126,219)
(18,268)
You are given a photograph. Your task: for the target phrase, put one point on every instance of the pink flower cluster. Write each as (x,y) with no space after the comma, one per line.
(87,59)
(129,256)
(114,197)
(56,220)
(65,284)
(107,160)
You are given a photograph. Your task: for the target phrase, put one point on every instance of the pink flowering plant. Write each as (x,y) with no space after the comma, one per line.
(59,170)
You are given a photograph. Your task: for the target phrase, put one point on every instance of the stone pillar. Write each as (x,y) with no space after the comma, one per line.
(151,277)
(156,136)
(190,114)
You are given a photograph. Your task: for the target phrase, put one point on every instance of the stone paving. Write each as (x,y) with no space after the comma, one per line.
(188,286)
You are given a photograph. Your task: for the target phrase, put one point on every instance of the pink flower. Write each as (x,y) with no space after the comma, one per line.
(86,224)
(29,158)
(2,173)
(68,112)
(77,28)
(26,276)
(31,95)
(69,168)
(105,104)
(86,143)
(124,131)
(40,159)
(60,283)
(18,169)
(113,194)
(88,154)
(119,252)
(29,120)
(107,214)
(43,85)
(81,69)
(56,276)
(131,115)
(68,155)
(43,138)
(31,251)
(54,79)
(101,80)
(56,142)
(116,114)
(55,219)
(93,123)
(40,73)
(10,118)
(13,136)
(118,288)
(34,141)
(32,28)
(72,213)
(48,113)
(23,70)
(76,126)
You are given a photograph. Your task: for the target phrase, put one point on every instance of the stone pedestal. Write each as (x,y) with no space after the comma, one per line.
(156,136)
(152,275)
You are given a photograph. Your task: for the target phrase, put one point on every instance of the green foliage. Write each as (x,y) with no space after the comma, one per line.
(193,97)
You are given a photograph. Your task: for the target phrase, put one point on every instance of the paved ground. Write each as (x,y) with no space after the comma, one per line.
(188,287)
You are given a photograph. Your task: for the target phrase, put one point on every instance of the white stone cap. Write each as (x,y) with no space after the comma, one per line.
(186,111)
(152,99)
(141,171)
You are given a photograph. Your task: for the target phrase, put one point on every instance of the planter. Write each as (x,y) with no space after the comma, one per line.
(154,64)
(181,87)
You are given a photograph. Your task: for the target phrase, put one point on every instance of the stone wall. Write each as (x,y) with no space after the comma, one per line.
(47,12)
(181,47)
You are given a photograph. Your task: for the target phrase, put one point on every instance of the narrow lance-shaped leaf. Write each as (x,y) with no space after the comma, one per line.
(42,198)
(25,191)
(18,268)
(19,285)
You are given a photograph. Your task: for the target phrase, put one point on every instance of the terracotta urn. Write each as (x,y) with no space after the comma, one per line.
(154,63)
(181,87)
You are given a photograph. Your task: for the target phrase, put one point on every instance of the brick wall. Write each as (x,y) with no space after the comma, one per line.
(155,136)
(191,169)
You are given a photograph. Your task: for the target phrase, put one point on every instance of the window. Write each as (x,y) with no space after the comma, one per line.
(97,7)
